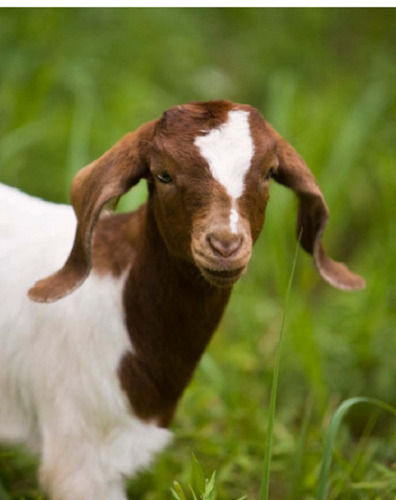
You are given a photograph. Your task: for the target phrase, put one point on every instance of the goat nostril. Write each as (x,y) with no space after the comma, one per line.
(225,245)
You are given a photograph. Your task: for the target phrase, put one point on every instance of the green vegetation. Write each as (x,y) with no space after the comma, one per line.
(73,81)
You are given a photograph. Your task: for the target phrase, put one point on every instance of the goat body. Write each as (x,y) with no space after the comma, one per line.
(92,368)
(59,384)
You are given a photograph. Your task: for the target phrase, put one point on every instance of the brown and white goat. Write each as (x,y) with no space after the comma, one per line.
(91,380)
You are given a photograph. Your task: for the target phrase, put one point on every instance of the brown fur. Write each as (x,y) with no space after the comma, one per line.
(178,283)
(171,313)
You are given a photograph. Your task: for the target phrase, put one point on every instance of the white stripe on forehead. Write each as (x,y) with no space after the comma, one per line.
(228,150)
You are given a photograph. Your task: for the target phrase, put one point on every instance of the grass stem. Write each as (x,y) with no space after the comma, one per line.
(264,488)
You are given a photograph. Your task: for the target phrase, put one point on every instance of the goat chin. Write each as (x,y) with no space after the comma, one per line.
(222,278)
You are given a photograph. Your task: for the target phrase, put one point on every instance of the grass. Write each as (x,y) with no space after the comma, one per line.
(325,80)
(265,482)
(334,425)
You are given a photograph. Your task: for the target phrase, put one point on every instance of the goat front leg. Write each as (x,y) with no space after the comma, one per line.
(72,469)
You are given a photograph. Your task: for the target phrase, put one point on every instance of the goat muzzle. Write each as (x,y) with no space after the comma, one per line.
(222,256)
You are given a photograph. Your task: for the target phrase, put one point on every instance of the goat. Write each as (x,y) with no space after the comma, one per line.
(91,379)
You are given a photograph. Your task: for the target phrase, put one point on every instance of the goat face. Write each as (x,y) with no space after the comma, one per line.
(208,166)
(210,170)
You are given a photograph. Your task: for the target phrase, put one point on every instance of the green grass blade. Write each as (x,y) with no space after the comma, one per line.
(197,476)
(335,422)
(355,459)
(264,488)
(177,491)
(210,488)
(193,492)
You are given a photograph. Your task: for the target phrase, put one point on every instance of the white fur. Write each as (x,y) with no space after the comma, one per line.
(228,151)
(59,388)
(234,217)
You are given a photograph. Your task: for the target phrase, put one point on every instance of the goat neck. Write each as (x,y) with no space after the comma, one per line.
(171,314)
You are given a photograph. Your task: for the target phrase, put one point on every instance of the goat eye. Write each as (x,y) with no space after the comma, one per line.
(270,173)
(164,177)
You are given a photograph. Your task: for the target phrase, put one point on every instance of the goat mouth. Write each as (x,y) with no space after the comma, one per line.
(223,277)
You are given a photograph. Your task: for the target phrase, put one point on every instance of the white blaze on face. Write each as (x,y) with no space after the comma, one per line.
(229,150)
(234,220)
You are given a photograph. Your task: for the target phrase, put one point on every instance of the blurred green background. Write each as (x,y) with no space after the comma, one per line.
(72,81)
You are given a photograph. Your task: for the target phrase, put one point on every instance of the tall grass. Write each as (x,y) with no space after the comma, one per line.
(265,484)
(324,476)
(74,81)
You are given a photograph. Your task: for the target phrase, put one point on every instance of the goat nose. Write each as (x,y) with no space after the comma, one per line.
(226,244)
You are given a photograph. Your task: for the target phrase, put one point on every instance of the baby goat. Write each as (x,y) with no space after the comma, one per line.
(91,379)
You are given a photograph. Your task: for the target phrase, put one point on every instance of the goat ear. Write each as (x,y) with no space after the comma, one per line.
(97,184)
(312,217)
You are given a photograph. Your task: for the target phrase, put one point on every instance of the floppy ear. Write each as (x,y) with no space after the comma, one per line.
(312,215)
(104,180)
